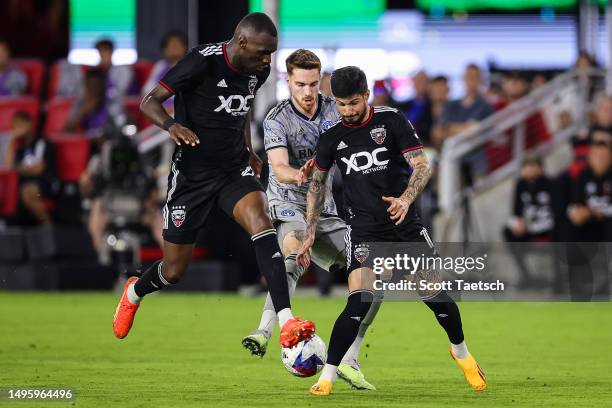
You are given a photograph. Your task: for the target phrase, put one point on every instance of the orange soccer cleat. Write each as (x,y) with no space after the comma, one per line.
(473,373)
(124,314)
(296,330)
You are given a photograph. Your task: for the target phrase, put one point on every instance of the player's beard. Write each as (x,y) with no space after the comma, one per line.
(354,120)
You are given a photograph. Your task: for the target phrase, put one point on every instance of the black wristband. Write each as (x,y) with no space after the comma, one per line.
(168,123)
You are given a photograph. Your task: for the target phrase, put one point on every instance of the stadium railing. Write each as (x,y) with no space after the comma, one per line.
(462,179)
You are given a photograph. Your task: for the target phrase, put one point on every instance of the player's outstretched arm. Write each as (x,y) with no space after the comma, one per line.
(279,160)
(314,206)
(151,106)
(398,206)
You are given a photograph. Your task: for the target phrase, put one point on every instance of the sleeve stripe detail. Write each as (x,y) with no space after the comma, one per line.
(319,167)
(411,149)
(166,86)
(275,147)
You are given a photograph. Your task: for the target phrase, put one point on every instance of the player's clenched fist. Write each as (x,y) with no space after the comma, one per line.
(182,135)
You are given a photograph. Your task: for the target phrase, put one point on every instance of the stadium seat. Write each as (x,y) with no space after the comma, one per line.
(142,70)
(9,193)
(131,105)
(58,110)
(8,107)
(72,155)
(35,70)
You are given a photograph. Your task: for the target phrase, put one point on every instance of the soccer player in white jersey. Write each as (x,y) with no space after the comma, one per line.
(291,132)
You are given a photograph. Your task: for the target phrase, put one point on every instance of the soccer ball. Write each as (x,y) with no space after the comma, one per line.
(306,358)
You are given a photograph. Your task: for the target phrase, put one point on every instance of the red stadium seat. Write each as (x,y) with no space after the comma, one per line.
(8,107)
(9,193)
(142,70)
(131,105)
(35,70)
(72,155)
(58,110)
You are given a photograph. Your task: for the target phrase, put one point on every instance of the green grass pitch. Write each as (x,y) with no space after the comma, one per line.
(184,351)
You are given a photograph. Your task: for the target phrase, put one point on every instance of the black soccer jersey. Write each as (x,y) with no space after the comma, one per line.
(596,193)
(370,159)
(533,201)
(212,99)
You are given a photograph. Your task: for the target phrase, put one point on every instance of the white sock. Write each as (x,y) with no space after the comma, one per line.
(266,324)
(352,354)
(132,296)
(268,316)
(283,316)
(460,350)
(329,373)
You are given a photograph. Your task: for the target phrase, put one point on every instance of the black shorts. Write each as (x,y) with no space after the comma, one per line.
(190,200)
(357,239)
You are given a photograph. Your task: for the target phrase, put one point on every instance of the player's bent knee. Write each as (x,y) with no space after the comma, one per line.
(291,243)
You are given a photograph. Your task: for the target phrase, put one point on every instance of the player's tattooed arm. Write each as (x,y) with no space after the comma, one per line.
(314,206)
(398,206)
(152,107)
(420,174)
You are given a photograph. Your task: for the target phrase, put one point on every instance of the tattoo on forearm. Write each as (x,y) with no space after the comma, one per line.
(420,175)
(315,200)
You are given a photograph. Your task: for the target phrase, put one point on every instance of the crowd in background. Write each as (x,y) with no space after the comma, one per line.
(98,103)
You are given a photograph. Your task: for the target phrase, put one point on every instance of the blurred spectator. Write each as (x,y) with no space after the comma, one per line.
(537,81)
(34,160)
(418,109)
(500,149)
(115,175)
(600,130)
(533,215)
(438,95)
(326,84)
(591,209)
(13,82)
(463,113)
(381,96)
(120,79)
(585,61)
(173,48)
(94,112)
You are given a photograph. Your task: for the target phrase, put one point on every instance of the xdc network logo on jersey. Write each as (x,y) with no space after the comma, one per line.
(366,162)
(235,105)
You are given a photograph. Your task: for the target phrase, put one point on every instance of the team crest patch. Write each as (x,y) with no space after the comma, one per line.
(178,215)
(287,213)
(252,84)
(362,251)
(326,124)
(378,134)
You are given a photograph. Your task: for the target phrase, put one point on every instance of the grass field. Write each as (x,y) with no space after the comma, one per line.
(184,351)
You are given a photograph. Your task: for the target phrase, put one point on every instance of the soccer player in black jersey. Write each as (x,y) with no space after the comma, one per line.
(373,148)
(214,86)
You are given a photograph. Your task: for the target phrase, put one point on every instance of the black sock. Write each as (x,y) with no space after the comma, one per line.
(272,265)
(448,316)
(347,325)
(151,280)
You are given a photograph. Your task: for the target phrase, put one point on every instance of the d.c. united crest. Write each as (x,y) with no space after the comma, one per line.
(178,215)
(378,134)
(362,251)
(252,84)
